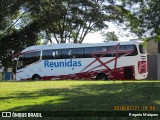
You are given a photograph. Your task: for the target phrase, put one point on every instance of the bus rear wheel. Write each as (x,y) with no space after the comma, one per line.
(101,76)
(36,77)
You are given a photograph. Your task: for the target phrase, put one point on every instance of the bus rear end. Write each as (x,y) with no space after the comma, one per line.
(141,65)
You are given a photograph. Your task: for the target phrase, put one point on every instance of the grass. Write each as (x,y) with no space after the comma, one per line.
(77,95)
(0,76)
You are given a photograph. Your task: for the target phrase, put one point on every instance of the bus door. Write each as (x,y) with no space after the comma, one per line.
(129,73)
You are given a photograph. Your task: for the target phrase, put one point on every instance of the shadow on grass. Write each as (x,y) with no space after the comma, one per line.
(93,97)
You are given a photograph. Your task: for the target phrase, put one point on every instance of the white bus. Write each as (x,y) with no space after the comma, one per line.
(101,61)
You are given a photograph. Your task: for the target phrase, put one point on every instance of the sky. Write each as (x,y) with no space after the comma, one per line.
(97,37)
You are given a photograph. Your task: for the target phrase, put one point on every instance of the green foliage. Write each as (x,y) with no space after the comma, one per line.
(8,12)
(18,40)
(24,23)
(14,37)
(145,21)
(73,19)
(109,36)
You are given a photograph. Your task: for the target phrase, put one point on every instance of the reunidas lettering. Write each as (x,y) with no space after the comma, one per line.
(65,63)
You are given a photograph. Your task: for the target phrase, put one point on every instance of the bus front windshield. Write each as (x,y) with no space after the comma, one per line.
(28,58)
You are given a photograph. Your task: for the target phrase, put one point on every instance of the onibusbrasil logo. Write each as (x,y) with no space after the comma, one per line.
(20,114)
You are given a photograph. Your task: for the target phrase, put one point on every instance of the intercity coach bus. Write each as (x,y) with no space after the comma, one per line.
(101,61)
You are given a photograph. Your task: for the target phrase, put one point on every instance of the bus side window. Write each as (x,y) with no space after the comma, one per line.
(66,53)
(142,49)
(32,57)
(77,53)
(95,50)
(104,49)
(72,53)
(28,58)
(112,51)
(47,54)
(121,48)
(100,51)
(88,52)
(56,54)
(132,47)
(51,54)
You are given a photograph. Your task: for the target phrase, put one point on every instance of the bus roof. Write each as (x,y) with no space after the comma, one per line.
(77,45)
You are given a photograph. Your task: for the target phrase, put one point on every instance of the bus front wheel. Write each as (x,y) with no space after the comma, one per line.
(101,76)
(36,77)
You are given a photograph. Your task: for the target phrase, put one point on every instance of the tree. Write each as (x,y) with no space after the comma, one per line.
(71,21)
(146,15)
(109,36)
(14,39)
(24,22)
(8,12)
(17,41)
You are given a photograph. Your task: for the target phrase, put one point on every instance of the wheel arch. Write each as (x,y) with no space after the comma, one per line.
(36,76)
(101,75)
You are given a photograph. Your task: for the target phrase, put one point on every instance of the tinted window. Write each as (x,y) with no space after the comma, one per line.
(96,50)
(122,47)
(88,52)
(66,53)
(142,49)
(122,50)
(77,53)
(72,53)
(28,58)
(51,54)
(129,47)
(112,51)
(132,47)
(100,49)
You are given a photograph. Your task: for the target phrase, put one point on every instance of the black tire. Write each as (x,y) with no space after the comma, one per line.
(101,76)
(36,77)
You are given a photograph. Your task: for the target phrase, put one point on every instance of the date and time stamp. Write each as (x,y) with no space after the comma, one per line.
(134,108)
(138,111)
